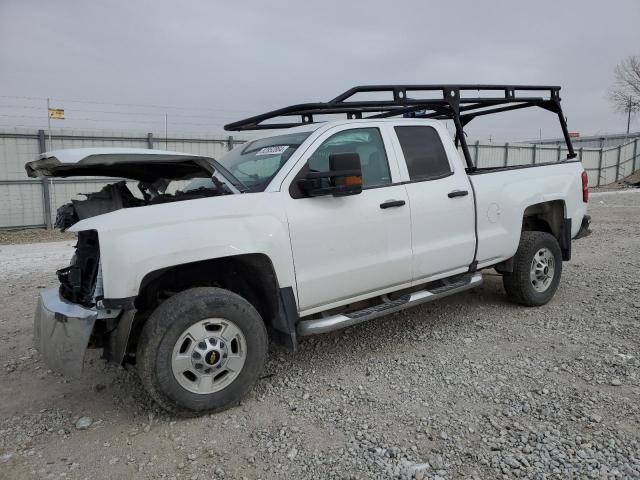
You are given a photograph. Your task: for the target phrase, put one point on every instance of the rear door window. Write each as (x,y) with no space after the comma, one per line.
(423,151)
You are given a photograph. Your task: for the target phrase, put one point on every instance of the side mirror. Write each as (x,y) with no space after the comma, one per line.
(343,178)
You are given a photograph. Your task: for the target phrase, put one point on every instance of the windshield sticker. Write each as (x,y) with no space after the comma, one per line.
(275,150)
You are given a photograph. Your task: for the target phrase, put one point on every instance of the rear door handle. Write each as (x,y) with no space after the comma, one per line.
(458,193)
(392,203)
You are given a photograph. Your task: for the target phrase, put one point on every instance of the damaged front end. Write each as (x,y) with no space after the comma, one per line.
(113,196)
(76,315)
(116,196)
(65,316)
(78,280)
(161,177)
(62,330)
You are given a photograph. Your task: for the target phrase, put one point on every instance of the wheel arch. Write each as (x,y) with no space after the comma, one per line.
(550,217)
(252,276)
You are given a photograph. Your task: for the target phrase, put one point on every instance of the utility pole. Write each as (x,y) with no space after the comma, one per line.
(49,121)
(165,131)
(628,115)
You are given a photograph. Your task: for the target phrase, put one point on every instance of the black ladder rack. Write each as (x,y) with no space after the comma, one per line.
(447,102)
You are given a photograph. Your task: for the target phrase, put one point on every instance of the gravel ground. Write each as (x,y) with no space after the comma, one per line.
(32,235)
(468,387)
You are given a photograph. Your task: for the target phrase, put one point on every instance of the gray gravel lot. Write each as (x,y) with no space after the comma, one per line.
(10,237)
(468,387)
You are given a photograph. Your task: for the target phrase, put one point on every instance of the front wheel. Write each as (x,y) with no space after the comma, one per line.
(201,351)
(537,267)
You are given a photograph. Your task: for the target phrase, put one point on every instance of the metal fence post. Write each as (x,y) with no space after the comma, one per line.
(533,155)
(618,162)
(600,164)
(230,143)
(580,152)
(559,152)
(150,141)
(635,154)
(506,154)
(46,197)
(477,152)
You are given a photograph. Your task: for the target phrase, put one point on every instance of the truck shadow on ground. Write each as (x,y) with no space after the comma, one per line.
(107,387)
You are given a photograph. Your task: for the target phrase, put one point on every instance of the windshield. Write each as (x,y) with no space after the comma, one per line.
(256,162)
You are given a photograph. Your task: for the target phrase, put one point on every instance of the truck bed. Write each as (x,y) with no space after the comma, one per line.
(503,194)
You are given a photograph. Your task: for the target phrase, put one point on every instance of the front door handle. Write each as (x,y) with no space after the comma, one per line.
(392,203)
(458,193)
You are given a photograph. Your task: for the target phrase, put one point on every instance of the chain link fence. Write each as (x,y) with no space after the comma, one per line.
(28,203)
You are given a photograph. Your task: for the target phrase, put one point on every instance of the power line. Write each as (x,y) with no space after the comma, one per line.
(142,105)
(111,131)
(115,112)
(30,107)
(89,119)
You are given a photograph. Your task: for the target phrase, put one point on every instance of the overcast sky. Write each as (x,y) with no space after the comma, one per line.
(221,61)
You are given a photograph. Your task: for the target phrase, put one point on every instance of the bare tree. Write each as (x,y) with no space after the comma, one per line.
(625,93)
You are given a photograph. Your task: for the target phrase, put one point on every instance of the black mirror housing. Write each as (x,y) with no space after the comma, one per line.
(342,162)
(343,178)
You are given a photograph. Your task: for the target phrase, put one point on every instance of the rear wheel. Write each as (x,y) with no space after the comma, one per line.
(537,267)
(201,351)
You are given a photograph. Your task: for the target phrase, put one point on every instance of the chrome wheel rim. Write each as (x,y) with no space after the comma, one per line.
(209,355)
(542,270)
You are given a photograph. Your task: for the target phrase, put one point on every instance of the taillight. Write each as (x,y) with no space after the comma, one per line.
(585,187)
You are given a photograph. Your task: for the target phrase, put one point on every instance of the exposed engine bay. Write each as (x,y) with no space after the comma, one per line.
(154,170)
(161,176)
(115,196)
(80,282)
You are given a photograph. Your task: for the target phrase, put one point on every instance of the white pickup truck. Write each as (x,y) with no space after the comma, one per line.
(300,232)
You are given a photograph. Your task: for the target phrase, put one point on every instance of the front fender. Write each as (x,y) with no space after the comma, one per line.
(137,241)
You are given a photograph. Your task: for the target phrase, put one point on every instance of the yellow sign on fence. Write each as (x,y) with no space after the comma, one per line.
(57,113)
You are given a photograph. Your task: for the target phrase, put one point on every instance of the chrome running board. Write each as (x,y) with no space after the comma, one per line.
(336,322)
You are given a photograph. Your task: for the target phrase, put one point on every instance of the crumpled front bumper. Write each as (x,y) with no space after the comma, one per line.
(61,332)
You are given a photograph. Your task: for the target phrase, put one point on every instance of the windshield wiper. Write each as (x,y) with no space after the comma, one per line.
(235,181)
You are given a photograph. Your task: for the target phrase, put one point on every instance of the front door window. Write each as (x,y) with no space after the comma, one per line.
(367,143)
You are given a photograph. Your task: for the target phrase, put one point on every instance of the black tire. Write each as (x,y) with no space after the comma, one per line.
(518,284)
(165,326)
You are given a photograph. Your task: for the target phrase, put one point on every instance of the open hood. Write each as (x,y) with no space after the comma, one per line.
(155,171)
(131,163)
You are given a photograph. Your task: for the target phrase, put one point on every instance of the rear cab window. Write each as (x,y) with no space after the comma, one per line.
(423,152)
